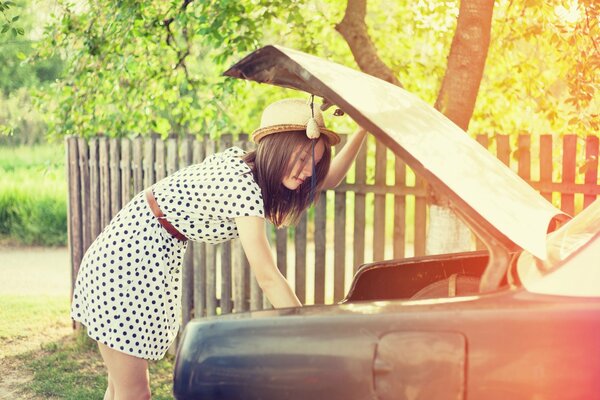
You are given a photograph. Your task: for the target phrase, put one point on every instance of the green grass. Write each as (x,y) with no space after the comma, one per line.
(73,369)
(47,157)
(24,316)
(33,195)
(70,368)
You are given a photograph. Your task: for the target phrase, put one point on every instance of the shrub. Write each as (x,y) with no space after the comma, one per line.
(33,196)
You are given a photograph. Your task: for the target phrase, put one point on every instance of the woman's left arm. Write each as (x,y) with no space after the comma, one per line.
(342,161)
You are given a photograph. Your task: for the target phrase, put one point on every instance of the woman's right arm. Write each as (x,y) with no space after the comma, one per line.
(258,251)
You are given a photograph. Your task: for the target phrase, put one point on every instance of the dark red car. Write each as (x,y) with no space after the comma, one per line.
(520,320)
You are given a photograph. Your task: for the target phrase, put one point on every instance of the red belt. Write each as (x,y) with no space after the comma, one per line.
(161,217)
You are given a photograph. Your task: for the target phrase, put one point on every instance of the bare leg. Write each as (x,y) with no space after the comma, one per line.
(110,390)
(128,374)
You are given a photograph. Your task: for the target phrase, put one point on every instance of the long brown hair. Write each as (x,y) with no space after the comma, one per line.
(270,163)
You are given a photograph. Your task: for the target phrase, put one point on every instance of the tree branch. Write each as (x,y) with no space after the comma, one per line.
(354,30)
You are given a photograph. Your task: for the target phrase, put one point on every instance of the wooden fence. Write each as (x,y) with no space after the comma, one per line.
(373,215)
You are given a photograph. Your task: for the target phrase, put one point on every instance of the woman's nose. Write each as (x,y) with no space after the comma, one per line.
(307,170)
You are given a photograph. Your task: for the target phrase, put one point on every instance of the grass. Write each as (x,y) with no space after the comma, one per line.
(36,339)
(25,316)
(73,369)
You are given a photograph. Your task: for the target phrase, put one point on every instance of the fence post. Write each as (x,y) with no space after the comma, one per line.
(74,233)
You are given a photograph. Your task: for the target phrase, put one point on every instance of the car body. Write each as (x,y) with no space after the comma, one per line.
(519,320)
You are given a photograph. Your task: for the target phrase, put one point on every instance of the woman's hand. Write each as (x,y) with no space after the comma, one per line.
(253,236)
(343,160)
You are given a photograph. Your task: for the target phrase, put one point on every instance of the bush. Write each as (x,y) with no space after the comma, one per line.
(33,195)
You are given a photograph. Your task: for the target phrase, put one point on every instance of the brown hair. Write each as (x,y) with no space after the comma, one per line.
(270,163)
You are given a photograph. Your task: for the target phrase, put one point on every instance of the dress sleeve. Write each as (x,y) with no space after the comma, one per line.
(242,195)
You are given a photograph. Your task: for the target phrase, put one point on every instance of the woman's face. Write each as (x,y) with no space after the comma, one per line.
(302,168)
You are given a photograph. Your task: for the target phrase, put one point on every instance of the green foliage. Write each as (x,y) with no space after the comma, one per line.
(33,195)
(20,74)
(542,70)
(10,19)
(143,67)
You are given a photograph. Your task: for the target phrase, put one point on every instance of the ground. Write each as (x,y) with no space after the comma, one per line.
(29,273)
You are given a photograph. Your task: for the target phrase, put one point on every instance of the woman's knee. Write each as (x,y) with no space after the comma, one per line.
(128,375)
(133,393)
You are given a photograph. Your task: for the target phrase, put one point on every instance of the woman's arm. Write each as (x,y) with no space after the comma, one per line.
(256,246)
(342,161)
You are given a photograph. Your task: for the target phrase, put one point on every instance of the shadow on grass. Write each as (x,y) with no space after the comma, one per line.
(72,369)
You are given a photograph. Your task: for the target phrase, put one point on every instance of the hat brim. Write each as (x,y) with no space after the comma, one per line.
(332,137)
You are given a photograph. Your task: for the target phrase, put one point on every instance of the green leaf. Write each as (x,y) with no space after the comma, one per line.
(5,28)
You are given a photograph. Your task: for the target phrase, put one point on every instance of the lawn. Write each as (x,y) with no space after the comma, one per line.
(42,358)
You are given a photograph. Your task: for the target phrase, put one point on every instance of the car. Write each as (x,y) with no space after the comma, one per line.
(518,320)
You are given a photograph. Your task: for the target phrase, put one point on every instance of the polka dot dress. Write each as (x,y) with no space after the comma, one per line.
(128,290)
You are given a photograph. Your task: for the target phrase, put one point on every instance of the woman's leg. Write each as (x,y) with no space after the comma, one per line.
(110,390)
(128,374)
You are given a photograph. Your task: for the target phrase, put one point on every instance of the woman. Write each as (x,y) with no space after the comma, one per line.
(128,288)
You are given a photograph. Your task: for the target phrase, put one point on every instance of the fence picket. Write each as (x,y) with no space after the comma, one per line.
(320,240)
(567,200)
(199,251)
(590,167)
(503,148)
(226,307)
(360,167)
(160,168)
(241,267)
(524,156)
(95,221)
(115,176)
(187,296)
(137,166)
(300,256)
(211,255)
(399,211)
(104,167)
(126,174)
(84,178)
(420,219)
(546,163)
(379,203)
(149,176)
(339,237)
(74,210)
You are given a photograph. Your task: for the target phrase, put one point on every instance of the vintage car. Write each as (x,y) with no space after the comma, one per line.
(520,320)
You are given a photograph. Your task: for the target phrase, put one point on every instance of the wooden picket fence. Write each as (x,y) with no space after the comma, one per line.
(375,214)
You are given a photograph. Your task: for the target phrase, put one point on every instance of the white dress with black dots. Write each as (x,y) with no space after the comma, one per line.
(128,290)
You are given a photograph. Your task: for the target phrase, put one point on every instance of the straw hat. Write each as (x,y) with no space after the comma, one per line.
(294,115)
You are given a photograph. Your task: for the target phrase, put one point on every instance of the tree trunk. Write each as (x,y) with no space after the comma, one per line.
(456,98)
(354,30)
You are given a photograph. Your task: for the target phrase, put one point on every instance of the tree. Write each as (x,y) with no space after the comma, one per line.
(456,98)
(10,20)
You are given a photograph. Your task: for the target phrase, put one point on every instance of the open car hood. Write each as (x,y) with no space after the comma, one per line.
(486,193)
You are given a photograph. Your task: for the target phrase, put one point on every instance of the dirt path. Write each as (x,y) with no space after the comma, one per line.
(30,271)
(34,271)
